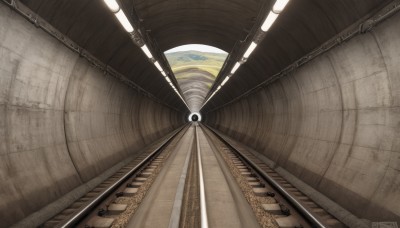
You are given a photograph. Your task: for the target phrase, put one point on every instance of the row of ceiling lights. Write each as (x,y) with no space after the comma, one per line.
(270,19)
(120,15)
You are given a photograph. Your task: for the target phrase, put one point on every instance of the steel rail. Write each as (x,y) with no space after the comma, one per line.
(301,209)
(203,207)
(106,193)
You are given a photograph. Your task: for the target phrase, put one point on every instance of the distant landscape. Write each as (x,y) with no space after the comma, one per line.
(185,60)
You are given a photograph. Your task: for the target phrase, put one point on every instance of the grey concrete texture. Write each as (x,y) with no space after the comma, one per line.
(62,121)
(334,123)
(158,205)
(194,84)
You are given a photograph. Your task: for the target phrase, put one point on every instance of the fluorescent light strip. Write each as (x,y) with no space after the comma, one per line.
(234,69)
(146,50)
(269,21)
(279,6)
(124,21)
(219,87)
(225,80)
(250,50)
(112,5)
(158,66)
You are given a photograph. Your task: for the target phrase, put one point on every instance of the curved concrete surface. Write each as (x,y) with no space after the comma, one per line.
(224,24)
(334,123)
(62,121)
(194,84)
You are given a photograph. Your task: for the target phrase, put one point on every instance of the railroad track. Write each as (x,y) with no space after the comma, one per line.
(100,207)
(127,198)
(288,205)
(113,202)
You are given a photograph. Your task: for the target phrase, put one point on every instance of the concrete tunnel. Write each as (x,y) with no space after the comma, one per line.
(319,96)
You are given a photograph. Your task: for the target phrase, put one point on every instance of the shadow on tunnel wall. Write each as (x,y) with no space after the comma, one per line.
(62,121)
(334,123)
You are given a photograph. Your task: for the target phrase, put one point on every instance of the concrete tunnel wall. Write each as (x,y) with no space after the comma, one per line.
(62,121)
(333,123)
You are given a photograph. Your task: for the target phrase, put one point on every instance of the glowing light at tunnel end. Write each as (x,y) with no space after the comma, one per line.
(192,114)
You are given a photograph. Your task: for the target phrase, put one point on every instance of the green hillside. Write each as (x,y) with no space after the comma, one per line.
(210,62)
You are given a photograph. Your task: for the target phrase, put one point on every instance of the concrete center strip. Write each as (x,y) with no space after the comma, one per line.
(177,207)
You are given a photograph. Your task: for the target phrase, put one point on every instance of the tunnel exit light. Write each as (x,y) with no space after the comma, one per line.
(196,115)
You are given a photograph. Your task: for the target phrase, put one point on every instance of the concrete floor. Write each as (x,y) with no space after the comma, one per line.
(156,208)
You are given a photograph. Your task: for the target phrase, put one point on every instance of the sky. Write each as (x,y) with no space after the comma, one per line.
(196,47)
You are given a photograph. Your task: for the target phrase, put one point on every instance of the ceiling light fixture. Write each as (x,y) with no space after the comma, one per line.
(158,66)
(146,50)
(269,21)
(225,80)
(120,15)
(112,5)
(124,21)
(279,6)
(234,69)
(250,50)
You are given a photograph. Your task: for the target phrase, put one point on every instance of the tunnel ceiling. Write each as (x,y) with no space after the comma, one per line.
(303,26)
(195,68)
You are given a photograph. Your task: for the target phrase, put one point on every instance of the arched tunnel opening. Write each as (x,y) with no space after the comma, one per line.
(222,113)
(195,117)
